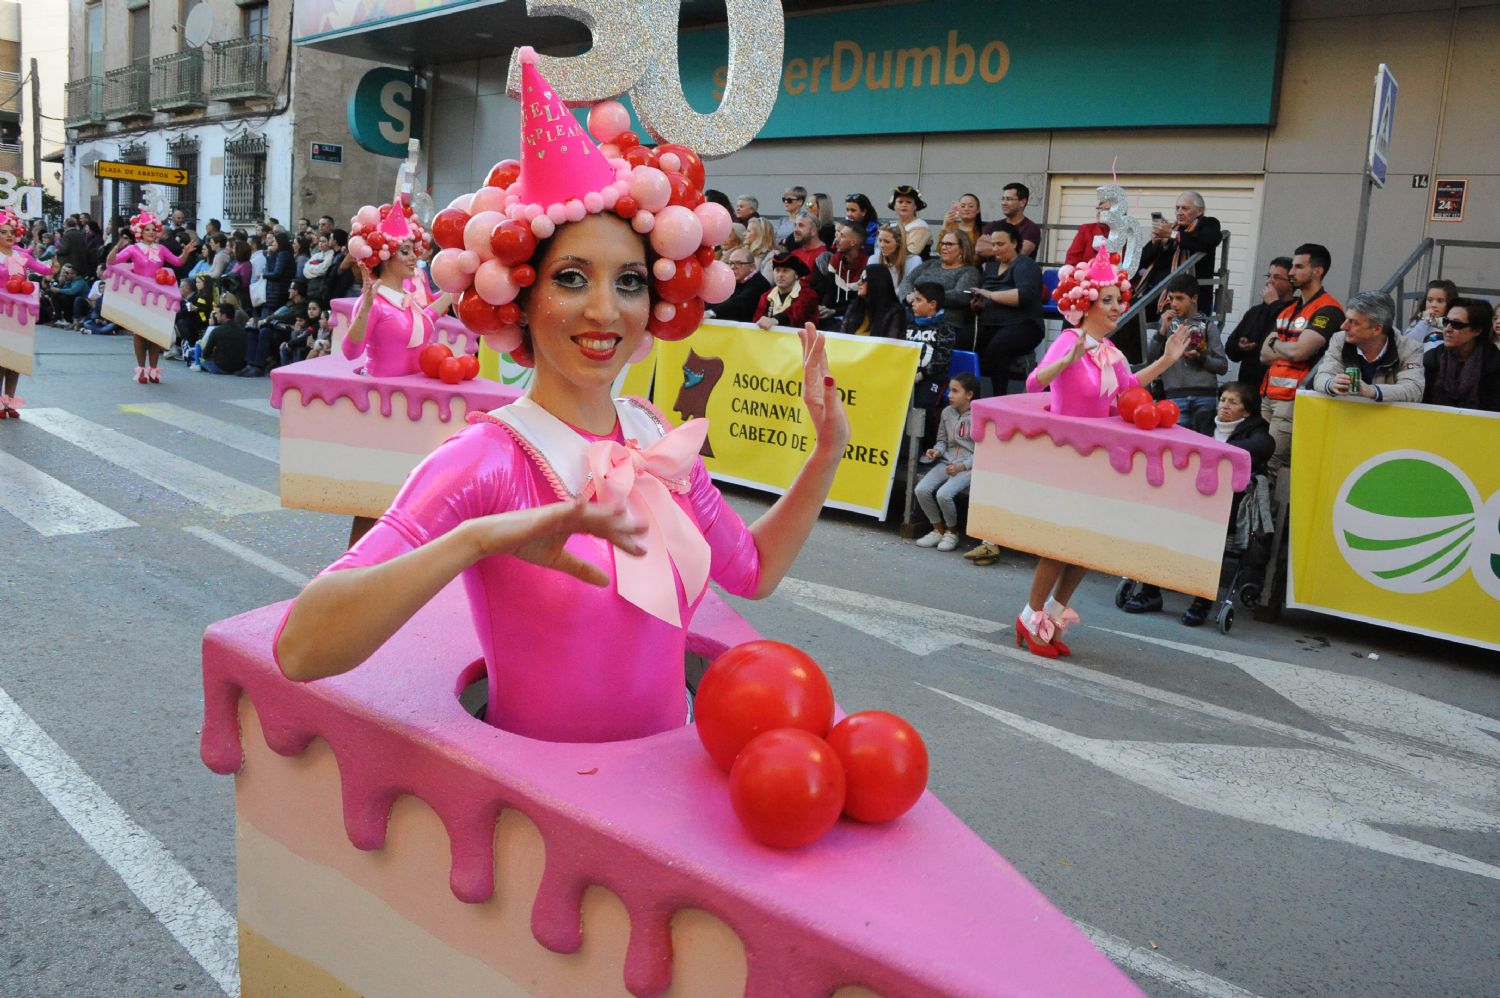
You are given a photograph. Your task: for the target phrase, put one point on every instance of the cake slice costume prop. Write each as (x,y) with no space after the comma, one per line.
(20,306)
(556,553)
(141,293)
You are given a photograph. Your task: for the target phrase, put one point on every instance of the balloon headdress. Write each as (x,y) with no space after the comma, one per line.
(1078,287)
(375,234)
(490,238)
(139,223)
(10,219)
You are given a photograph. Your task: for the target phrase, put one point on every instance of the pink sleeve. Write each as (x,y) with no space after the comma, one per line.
(1125,376)
(735,563)
(38,266)
(351,349)
(1058,350)
(127,256)
(171,258)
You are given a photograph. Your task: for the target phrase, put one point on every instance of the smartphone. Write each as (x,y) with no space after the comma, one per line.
(1156,216)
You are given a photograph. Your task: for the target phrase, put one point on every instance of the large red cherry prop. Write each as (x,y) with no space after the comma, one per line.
(165,276)
(448,228)
(787,788)
(450,371)
(1129,399)
(14,283)
(885,764)
(1167,413)
(477,314)
(512,242)
(1146,417)
(432,355)
(468,366)
(682,325)
(756,687)
(686,283)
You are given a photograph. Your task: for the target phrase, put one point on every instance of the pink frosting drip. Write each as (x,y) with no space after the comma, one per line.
(24,309)
(152,295)
(1029,416)
(918,906)
(328,379)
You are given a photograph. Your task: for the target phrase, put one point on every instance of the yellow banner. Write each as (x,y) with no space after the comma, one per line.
(748,383)
(1395,516)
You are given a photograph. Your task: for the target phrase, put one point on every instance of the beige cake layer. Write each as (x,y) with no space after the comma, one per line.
(124,307)
(16,351)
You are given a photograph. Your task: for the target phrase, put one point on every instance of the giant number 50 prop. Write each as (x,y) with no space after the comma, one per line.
(635,51)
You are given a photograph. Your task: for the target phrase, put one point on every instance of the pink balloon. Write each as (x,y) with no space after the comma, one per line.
(607,119)
(642,349)
(448,272)
(664,269)
(477,233)
(493,282)
(650,188)
(609,151)
(664,311)
(542,227)
(643,222)
(506,339)
(469,261)
(358,248)
(677,233)
(671,162)
(462,203)
(368,216)
(487,199)
(718,283)
(716,222)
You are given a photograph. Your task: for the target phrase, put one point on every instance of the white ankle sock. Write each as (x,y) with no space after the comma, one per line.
(1054,608)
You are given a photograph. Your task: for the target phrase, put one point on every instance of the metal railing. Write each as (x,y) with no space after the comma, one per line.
(85,102)
(10,83)
(177,81)
(239,68)
(1419,268)
(127,91)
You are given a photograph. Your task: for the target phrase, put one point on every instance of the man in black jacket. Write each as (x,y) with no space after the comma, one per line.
(1175,241)
(749,285)
(73,247)
(1244,342)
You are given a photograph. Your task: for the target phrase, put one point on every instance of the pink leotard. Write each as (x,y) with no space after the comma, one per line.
(19,262)
(1075,392)
(387,335)
(146,262)
(567,661)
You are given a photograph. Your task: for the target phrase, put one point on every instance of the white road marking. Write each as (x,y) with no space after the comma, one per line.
(1152,963)
(260,405)
(918,630)
(191,914)
(220,493)
(245,554)
(48,506)
(229,434)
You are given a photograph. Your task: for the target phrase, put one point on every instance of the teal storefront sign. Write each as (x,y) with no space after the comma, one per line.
(385,111)
(985,65)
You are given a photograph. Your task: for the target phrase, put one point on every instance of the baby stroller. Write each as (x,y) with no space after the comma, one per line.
(1246,551)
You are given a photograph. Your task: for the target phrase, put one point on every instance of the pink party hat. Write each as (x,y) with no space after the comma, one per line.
(395,226)
(1102,269)
(559,161)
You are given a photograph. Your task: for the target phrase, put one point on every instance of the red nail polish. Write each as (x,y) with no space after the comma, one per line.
(827,381)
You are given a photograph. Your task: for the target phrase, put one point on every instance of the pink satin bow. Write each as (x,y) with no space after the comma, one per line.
(1041,625)
(1105,356)
(1064,620)
(640,478)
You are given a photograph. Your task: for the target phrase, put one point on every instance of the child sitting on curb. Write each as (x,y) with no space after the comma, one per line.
(945,481)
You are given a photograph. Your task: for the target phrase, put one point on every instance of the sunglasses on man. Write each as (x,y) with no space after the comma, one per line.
(1455,324)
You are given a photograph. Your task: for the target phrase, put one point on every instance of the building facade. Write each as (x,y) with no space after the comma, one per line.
(10,90)
(1264,107)
(223,95)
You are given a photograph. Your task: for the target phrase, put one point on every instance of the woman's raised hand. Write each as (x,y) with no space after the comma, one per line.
(539,535)
(1177,343)
(820,394)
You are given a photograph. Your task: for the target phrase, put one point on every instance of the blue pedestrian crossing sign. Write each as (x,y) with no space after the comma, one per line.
(1380,126)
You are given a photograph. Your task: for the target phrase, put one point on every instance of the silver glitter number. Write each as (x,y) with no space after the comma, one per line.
(1126,237)
(627,35)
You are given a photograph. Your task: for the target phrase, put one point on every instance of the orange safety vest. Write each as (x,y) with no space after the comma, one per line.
(1284,377)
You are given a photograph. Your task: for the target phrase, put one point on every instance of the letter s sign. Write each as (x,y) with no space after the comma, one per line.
(385,110)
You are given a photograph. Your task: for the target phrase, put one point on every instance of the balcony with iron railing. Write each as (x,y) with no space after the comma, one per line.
(10,83)
(85,102)
(177,81)
(127,91)
(240,68)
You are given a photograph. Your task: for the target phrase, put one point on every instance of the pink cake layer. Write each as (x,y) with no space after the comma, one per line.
(450,332)
(18,316)
(142,306)
(920,906)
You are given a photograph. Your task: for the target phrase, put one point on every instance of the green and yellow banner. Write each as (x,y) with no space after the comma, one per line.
(1395,516)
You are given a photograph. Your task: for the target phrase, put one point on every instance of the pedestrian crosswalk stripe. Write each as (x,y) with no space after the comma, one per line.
(260,405)
(230,435)
(48,506)
(204,486)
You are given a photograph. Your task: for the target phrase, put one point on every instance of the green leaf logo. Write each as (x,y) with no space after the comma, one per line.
(1405,521)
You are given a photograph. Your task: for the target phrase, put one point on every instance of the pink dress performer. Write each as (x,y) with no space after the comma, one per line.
(142,294)
(395,319)
(20,305)
(1085,371)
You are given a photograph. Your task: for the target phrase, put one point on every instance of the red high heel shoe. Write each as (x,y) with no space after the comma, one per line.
(1036,645)
(1060,627)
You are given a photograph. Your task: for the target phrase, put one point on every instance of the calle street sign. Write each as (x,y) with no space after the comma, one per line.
(172,176)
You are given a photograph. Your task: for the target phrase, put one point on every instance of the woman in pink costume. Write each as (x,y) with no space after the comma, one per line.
(145,257)
(584,531)
(15,263)
(1085,371)
(394,321)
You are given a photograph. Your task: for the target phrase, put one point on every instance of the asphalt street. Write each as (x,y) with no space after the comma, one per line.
(1310,807)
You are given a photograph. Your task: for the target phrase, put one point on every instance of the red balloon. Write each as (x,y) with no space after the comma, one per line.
(477,314)
(885,764)
(634,155)
(513,242)
(503,174)
(469,366)
(1127,401)
(509,313)
(706,255)
(684,284)
(432,355)
(448,228)
(450,370)
(1145,417)
(522,355)
(683,191)
(682,325)
(1167,413)
(787,788)
(756,687)
(523,274)
(628,140)
(692,163)
(627,206)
